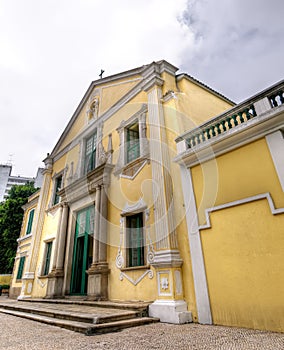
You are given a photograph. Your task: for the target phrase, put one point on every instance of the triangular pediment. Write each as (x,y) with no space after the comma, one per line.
(99,99)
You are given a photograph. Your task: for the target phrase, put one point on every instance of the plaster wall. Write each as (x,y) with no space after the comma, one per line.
(243,248)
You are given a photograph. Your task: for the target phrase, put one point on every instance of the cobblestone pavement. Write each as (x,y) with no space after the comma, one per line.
(17,333)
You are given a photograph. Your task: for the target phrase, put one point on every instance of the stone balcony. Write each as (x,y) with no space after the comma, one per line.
(264,110)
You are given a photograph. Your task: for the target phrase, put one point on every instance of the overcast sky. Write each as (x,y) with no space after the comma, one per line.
(51,50)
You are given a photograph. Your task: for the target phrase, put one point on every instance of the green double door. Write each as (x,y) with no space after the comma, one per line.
(83,250)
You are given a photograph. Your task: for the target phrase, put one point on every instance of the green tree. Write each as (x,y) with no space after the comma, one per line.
(11,217)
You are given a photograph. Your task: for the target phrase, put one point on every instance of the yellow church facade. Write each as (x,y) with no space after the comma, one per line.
(112,222)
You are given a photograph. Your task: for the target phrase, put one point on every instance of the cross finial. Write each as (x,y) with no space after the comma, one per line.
(101,74)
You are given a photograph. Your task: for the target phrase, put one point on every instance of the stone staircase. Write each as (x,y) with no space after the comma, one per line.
(87,317)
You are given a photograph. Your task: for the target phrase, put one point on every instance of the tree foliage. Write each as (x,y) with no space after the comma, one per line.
(11,217)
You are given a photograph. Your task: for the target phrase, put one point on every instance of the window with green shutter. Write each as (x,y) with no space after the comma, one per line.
(21,268)
(47,258)
(30,222)
(135,240)
(90,153)
(133,144)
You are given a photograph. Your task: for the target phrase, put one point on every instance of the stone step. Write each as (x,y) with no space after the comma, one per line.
(83,327)
(140,306)
(69,315)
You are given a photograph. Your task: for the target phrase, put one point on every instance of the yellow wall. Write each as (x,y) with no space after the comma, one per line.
(242,173)
(243,250)
(121,192)
(111,93)
(5,279)
(243,254)
(169,82)
(198,104)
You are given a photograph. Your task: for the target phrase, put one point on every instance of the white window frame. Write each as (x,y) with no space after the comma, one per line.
(139,118)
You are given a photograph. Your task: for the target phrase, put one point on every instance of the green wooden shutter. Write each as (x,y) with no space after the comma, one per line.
(30,222)
(135,240)
(21,268)
(133,144)
(47,258)
(90,153)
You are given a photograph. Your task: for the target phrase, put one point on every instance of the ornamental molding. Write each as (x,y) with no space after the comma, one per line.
(123,275)
(32,203)
(121,83)
(152,82)
(93,104)
(274,211)
(132,171)
(87,184)
(22,239)
(168,96)
(164,285)
(120,259)
(129,121)
(134,208)
(167,258)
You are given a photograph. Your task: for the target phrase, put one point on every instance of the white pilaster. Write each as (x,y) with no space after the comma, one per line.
(97,226)
(197,261)
(31,262)
(167,261)
(56,241)
(162,183)
(275,144)
(62,238)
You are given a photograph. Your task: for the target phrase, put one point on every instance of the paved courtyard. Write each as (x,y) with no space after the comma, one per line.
(17,333)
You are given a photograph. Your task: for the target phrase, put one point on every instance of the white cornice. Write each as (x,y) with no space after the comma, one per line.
(168,67)
(121,83)
(134,208)
(151,82)
(32,203)
(24,238)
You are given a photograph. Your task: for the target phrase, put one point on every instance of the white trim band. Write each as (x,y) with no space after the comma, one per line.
(267,196)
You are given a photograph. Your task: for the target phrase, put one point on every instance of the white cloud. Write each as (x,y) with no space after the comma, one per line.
(52,50)
(237,44)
